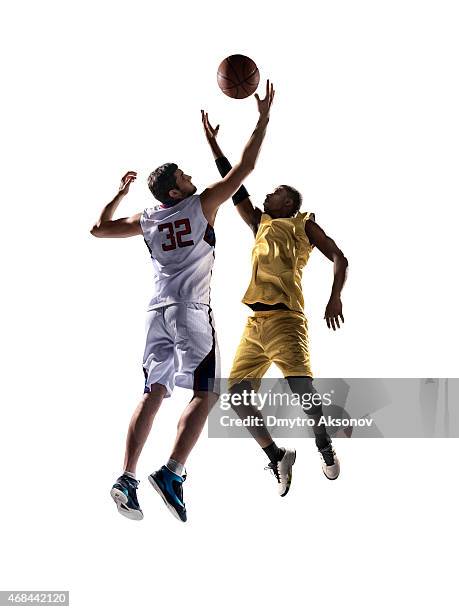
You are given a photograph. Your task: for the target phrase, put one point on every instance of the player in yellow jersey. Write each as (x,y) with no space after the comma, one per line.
(277,332)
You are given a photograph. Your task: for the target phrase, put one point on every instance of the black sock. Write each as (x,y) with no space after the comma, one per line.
(274,453)
(322,441)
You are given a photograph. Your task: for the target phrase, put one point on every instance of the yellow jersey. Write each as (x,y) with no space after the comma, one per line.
(281,251)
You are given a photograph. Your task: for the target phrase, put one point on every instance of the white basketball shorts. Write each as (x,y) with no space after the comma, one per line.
(181,348)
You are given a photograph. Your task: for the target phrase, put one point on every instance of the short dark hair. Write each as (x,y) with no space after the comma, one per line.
(162,180)
(295,196)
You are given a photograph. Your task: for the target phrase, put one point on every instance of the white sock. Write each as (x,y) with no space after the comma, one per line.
(130,474)
(175,466)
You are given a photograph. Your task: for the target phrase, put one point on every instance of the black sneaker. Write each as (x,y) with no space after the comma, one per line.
(124,494)
(330,462)
(169,486)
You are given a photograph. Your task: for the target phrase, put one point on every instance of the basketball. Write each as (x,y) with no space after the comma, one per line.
(238,76)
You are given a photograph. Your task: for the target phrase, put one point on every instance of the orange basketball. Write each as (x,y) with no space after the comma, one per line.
(238,76)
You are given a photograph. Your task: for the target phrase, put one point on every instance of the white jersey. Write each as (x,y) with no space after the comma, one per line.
(181,244)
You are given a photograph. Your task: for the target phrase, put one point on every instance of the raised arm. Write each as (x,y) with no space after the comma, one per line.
(215,195)
(327,246)
(106,227)
(241,198)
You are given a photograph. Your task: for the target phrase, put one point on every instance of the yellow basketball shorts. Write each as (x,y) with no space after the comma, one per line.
(274,336)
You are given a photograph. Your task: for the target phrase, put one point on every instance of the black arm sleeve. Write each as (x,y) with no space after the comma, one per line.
(224,167)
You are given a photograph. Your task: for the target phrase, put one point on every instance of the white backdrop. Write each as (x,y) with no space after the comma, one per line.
(365,124)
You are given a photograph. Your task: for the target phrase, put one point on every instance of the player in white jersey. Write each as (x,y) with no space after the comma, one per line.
(181,346)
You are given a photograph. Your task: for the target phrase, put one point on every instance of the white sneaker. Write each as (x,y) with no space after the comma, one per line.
(282,470)
(330,462)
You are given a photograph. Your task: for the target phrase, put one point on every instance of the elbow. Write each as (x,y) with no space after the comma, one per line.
(96,231)
(340,260)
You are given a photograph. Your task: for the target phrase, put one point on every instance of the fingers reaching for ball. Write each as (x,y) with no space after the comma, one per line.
(264,105)
(209,131)
(269,91)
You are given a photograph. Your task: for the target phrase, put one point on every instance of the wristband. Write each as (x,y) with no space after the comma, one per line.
(241,194)
(223,165)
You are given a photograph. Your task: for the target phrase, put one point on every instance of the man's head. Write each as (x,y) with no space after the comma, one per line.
(168,182)
(284,201)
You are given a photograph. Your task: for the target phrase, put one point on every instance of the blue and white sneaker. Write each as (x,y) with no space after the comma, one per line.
(169,486)
(124,494)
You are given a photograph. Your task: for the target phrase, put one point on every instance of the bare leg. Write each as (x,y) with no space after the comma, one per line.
(191,424)
(140,425)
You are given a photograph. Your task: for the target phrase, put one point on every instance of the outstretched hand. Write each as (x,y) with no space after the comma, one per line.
(264,105)
(210,132)
(126,181)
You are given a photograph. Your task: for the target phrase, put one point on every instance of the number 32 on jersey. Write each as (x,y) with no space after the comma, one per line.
(174,234)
